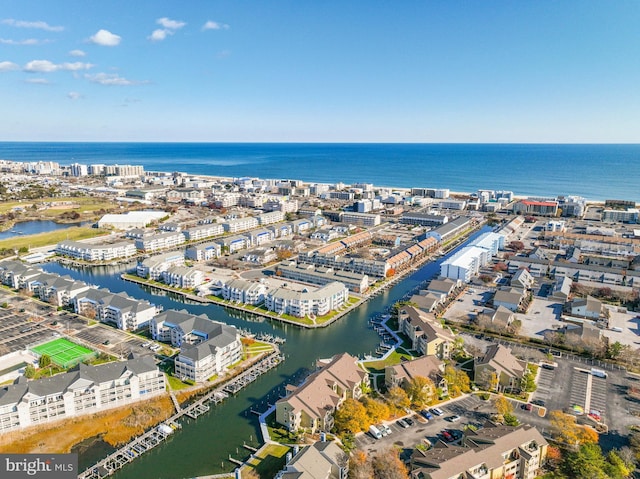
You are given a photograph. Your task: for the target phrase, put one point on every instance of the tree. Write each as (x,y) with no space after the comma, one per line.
(421,391)
(565,430)
(250,473)
(44,361)
(616,468)
(351,417)
(376,410)
(387,465)
(457,381)
(29,371)
(503,405)
(516,245)
(398,397)
(528,383)
(587,462)
(615,350)
(360,466)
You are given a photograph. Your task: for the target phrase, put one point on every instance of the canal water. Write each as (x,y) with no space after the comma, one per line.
(202,447)
(35,227)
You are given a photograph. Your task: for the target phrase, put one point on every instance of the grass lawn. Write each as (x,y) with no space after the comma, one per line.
(393,358)
(85,204)
(269,461)
(73,233)
(175,384)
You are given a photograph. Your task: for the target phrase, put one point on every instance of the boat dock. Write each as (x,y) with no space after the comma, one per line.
(160,433)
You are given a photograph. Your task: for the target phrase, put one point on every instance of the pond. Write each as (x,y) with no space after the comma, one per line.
(35,227)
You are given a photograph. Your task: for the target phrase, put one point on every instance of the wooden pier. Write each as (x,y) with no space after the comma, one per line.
(160,433)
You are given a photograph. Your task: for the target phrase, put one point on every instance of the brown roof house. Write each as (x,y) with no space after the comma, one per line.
(498,359)
(510,298)
(427,367)
(322,460)
(491,452)
(311,405)
(588,307)
(426,333)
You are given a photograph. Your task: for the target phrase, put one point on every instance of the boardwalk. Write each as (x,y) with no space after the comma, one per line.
(158,434)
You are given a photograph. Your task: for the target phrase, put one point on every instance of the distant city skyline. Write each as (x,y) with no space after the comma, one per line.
(302,71)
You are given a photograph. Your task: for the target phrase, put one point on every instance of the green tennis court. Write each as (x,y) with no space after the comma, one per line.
(63,352)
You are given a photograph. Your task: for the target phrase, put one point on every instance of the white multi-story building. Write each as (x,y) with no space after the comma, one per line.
(271,217)
(630,215)
(207,348)
(320,302)
(356,282)
(203,251)
(118,309)
(78,169)
(160,241)
(364,219)
(96,252)
(183,277)
(203,231)
(465,263)
(246,292)
(82,390)
(152,268)
(57,290)
(240,224)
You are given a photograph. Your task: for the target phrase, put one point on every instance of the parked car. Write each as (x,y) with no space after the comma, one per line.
(447,436)
(454,418)
(426,414)
(437,411)
(386,430)
(527,407)
(538,402)
(409,421)
(402,423)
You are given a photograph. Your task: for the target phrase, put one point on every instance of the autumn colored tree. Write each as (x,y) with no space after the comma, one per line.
(503,405)
(565,430)
(421,391)
(387,465)
(457,381)
(398,397)
(351,417)
(376,410)
(587,462)
(360,466)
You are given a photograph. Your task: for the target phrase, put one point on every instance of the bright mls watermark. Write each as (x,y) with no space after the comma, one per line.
(46,466)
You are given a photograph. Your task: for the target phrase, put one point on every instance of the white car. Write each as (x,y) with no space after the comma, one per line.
(437,411)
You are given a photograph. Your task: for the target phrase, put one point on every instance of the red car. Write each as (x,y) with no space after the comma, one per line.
(447,436)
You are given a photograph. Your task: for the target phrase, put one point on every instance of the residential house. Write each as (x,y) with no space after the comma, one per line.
(321,460)
(510,298)
(522,279)
(427,367)
(588,307)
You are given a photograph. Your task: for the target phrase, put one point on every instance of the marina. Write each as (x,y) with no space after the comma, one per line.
(161,433)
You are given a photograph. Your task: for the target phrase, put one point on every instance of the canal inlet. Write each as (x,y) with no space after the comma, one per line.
(203,447)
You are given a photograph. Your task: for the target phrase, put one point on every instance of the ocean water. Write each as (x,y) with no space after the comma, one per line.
(597,172)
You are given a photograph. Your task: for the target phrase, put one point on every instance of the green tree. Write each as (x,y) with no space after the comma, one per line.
(616,468)
(376,410)
(351,417)
(587,462)
(29,371)
(615,350)
(528,383)
(421,391)
(44,361)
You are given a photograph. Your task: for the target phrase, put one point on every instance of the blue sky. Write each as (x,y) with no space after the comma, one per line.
(320,71)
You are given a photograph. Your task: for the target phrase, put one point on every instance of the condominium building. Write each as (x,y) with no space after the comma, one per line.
(183,277)
(82,390)
(630,215)
(96,252)
(311,406)
(119,309)
(240,224)
(54,289)
(203,251)
(152,268)
(307,303)
(243,291)
(363,219)
(207,348)
(159,241)
(490,452)
(204,231)
(271,217)
(356,282)
(426,334)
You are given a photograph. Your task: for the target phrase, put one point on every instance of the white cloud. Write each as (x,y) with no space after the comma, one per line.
(77,53)
(74,95)
(46,66)
(28,41)
(38,24)
(8,66)
(105,38)
(211,25)
(159,35)
(112,79)
(170,24)
(37,81)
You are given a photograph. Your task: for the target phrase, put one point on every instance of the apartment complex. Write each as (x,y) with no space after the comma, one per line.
(96,252)
(160,241)
(356,282)
(117,309)
(82,390)
(320,302)
(311,405)
(426,333)
(154,267)
(490,452)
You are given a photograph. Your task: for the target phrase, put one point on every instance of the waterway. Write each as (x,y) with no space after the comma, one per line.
(35,227)
(202,447)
